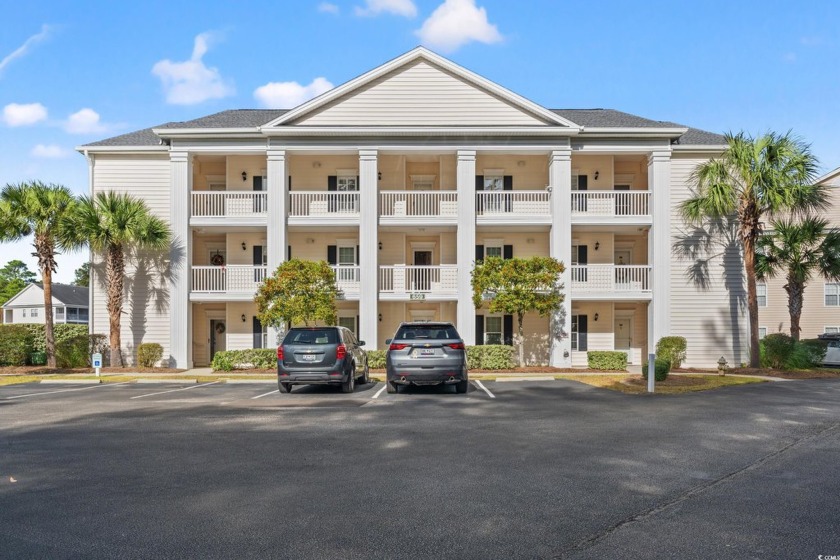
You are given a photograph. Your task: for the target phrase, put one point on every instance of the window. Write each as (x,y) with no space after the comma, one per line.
(493,333)
(83,314)
(59,313)
(575,254)
(347,322)
(761,293)
(574,334)
(347,270)
(493,251)
(762,332)
(831,330)
(24,313)
(494,183)
(34,312)
(832,294)
(347,183)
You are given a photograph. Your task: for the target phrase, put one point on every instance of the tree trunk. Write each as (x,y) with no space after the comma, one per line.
(796,295)
(521,341)
(115,277)
(46,262)
(752,298)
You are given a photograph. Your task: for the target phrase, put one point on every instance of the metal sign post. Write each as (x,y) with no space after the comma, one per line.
(651,371)
(96,361)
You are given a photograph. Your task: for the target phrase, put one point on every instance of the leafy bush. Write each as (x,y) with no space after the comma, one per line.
(38,359)
(72,352)
(61,332)
(490,357)
(15,345)
(673,349)
(149,354)
(376,359)
(661,368)
(257,358)
(606,360)
(777,349)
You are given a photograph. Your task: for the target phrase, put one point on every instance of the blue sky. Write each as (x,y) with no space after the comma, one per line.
(76,72)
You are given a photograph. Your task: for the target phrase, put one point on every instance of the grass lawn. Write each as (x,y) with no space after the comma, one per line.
(675,384)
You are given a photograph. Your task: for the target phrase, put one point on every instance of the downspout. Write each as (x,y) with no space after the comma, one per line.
(90,161)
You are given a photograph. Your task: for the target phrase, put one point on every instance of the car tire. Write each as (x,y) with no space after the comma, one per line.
(349,385)
(363,379)
(285,387)
(390,387)
(462,386)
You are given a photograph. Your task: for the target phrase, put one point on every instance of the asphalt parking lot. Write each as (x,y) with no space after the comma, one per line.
(509,470)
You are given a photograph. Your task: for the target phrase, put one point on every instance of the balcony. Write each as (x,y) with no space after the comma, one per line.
(609,281)
(513,207)
(325,208)
(226,283)
(228,208)
(418,207)
(612,207)
(347,280)
(435,283)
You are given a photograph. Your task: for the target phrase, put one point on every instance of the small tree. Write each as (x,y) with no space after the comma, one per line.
(13,278)
(298,292)
(82,276)
(518,286)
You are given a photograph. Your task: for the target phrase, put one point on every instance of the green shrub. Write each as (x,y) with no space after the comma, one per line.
(661,368)
(72,352)
(15,345)
(38,359)
(814,350)
(778,348)
(473,357)
(376,359)
(673,349)
(61,332)
(490,357)
(258,358)
(606,360)
(149,354)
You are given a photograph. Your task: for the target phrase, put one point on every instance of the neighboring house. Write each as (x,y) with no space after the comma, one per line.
(821,303)
(401,179)
(70,305)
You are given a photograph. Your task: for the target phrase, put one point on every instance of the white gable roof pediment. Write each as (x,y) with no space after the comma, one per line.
(420,89)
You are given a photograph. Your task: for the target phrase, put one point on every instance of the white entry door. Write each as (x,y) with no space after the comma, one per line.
(624,335)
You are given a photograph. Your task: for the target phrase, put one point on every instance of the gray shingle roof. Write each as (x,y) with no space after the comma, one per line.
(143,137)
(235,118)
(696,137)
(609,118)
(67,294)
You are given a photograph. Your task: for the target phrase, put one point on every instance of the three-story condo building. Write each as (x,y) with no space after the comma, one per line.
(402,179)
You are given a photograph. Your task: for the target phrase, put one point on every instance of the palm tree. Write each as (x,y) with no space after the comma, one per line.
(112,225)
(753,179)
(39,210)
(799,249)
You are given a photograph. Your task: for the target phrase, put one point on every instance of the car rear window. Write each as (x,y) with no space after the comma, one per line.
(311,336)
(431,332)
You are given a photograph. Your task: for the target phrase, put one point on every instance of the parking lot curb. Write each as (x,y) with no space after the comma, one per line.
(244,381)
(153,381)
(531,378)
(69,382)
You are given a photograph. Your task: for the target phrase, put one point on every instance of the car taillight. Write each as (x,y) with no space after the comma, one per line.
(280,353)
(395,346)
(457,346)
(340,352)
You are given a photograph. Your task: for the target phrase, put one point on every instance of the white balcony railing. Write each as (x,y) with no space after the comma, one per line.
(434,280)
(323,204)
(229,204)
(230,279)
(347,279)
(611,203)
(609,278)
(419,204)
(513,203)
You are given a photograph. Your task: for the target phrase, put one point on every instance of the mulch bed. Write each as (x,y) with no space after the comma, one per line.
(43,370)
(675,381)
(803,374)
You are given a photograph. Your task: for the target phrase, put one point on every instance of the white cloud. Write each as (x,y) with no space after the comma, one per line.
(284,95)
(49,151)
(24,48)
(191,82)
(84,121)
(328,8)
(456,23)
(405,8)
(789,57)
(15,114)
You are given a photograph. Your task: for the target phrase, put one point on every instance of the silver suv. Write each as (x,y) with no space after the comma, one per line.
(426,354)
(321,356)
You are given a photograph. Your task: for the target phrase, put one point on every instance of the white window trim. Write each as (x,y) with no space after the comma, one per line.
(760,336)
(826,327)
(574,335)
(766,294)
(501,330)
(836,293)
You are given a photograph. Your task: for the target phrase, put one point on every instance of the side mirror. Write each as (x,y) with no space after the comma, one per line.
(361,343)
(388,341)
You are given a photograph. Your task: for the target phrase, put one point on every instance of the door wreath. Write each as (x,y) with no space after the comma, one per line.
(220,328)
(217,260)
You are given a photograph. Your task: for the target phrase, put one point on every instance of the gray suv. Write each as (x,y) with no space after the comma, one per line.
(426,354)
(321,356)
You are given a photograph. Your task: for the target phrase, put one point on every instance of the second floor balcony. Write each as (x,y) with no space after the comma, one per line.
(513,207)
(613,207)
(611,281)
(232,208)
(323,208)
(226,283)
(402,282)
(418,207)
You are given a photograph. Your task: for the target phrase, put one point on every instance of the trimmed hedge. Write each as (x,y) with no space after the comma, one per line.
(15,345)
(61,332)
(72,352)
(149,354)
(661,368)
(490,357)
(673,349)
(258,358)
(376,359)
(606,360)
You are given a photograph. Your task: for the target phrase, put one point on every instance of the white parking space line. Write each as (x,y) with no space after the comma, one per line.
(379,392)
(174,390)
(63,391)
(266,394)
(485,389)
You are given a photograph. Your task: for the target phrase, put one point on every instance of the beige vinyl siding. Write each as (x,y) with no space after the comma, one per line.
(146,314)
(713,318)
(420,94)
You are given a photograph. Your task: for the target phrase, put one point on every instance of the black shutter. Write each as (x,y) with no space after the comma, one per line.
(258,258)
(507,251)
(479,330)
(507,329)
(290,182)
(332,183)
(479,186)
(357,329)
(258,184)
(332,254)
(479,253)
(258,202)
(583,254)
(288,252)
(583,321)
(357,254)
(257,328)
(358,183)
(507,184)
(583,182)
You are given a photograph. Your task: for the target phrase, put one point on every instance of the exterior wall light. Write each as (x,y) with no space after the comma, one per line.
(244,247)
(244,176)
(244,318)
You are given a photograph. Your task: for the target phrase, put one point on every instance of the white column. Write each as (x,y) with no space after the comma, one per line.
(180,314)
(368,248)
(560,248)
(466,244)
(277,239)
(659,246)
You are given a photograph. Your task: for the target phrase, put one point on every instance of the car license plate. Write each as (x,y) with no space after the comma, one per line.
(309,357)
(427,351)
